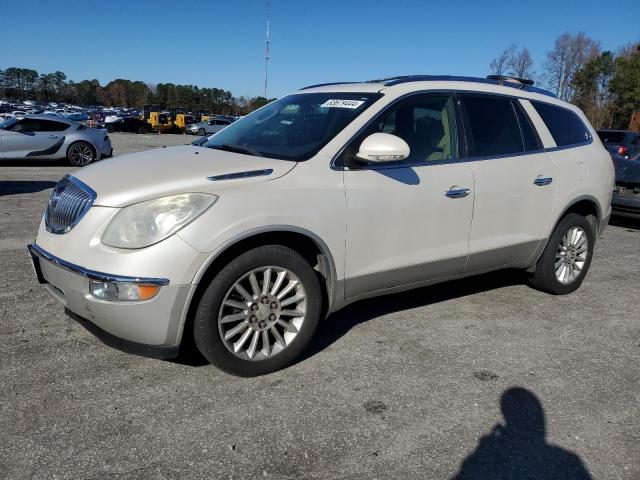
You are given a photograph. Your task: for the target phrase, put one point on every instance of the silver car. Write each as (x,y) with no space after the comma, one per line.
(209,127)
(51,138)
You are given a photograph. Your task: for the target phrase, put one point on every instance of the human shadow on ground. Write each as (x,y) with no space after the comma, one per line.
(518,449)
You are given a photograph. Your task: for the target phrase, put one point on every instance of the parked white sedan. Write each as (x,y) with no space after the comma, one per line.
(208,128)
(49,138)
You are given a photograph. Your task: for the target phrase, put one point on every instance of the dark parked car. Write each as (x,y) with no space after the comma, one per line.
(620,142)
(133,125)
(626,193)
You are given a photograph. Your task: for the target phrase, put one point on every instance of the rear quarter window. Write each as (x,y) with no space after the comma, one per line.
(565,126)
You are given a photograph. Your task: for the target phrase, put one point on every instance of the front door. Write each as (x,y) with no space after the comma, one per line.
(408,222)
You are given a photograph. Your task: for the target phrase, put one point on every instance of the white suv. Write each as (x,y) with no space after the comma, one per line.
(333,194)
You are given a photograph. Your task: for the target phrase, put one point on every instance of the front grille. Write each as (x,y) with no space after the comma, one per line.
(69,202)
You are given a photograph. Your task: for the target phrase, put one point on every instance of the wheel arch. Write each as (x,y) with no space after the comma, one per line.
(305,242)
(586,205)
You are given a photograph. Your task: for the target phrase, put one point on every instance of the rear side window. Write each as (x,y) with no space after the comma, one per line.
(565,126)
(51,126)
(493,126)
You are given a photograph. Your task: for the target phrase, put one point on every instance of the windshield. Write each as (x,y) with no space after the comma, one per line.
(7,124)
(294,127)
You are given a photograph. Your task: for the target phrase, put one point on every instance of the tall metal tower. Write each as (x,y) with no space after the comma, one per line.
(266,50)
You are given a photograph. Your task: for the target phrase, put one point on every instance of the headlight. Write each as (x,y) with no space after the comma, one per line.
(146,223)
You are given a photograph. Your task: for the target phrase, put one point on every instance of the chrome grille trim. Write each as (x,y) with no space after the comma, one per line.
(70,200)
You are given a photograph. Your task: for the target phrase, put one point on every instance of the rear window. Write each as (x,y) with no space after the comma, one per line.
(611,137)
(493,126)
(565,126)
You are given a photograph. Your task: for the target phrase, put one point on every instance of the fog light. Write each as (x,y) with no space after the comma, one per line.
(122,291)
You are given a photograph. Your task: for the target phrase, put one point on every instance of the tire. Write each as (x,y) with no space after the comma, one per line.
(201,132)
(142,130)
(110,129)
(565,278)
(268,316)
(80,154)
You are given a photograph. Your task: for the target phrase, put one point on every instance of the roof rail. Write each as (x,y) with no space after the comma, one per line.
(326,84)
(507,78)
(505,81)
(518,83)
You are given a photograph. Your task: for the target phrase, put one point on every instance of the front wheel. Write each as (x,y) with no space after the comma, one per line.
(201,132)
(80,154)
(566,258)
(259,313)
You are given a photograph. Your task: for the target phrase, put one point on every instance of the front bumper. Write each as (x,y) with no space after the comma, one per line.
(151,328)
(626,204)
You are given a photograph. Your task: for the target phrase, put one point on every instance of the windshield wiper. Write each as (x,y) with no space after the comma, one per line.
(237,149)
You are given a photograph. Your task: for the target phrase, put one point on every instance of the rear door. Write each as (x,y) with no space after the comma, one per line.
(515,181)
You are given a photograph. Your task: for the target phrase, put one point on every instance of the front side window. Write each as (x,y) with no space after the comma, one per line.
(426,122)
(294,127)
(492,126)
(565,126)
(27,125)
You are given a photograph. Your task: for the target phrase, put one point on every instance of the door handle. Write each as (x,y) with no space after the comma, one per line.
(54,136)
(455,192)
(542,181)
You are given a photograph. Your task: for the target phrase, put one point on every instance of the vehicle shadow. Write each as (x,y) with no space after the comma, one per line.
(28,162)
(17,187)
(338,324)
(518,448)
(625,222)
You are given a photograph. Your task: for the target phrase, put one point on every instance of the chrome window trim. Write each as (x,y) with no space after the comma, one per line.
(83,186)
(37,251)
(425,163)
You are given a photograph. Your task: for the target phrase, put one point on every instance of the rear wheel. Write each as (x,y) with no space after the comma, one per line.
(80,154)
(567,256)
(259,312)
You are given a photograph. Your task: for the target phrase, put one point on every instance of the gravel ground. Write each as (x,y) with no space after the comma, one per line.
(405,386)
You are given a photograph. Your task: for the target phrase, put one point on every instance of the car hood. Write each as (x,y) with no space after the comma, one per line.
(164,171)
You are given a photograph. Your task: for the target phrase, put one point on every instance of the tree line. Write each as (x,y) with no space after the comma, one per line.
(604,84)
(28,84)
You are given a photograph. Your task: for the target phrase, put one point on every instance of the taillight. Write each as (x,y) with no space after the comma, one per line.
(622,151)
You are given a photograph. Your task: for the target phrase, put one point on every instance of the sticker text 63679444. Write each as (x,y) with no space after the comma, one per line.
(341,103)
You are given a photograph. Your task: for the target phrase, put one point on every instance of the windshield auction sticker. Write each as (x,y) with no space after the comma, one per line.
(338,103)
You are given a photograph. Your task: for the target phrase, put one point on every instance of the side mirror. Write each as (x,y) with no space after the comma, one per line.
(383,147)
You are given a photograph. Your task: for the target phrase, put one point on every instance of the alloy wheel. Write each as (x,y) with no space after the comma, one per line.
(262,313)
(81,154)
(571,255)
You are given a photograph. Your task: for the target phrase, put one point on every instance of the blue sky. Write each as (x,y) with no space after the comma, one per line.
(221,43)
